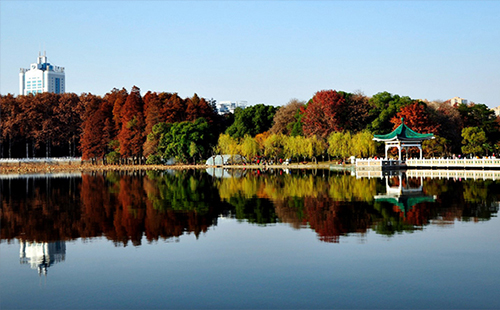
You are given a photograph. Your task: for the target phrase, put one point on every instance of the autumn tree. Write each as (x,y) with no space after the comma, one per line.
(9,129)
(152,116)
(340,144)
(286,116)
(68,113)
(249,147)
(359,112)
(117,99)
(450,124)
(174,109)
(197,107)
(273,145)
(417,117)
(325,113)
(227,145)
(92,144)
(131,136)
(363,145)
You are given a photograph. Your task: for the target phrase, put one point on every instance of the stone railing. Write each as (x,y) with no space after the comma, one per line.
(451,163)
(365,163)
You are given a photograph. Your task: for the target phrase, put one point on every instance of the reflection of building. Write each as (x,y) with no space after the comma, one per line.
(404,194)
(42,255)
(41,77)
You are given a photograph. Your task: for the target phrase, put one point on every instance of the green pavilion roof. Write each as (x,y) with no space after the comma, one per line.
(404,133)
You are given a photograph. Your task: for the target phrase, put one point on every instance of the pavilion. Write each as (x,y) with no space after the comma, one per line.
(403,138)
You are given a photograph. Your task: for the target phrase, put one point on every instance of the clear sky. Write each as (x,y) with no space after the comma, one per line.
(260,51)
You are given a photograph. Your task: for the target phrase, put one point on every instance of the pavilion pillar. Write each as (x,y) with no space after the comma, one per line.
(420,149)
(399,150)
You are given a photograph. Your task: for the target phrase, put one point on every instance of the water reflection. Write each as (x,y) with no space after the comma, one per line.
(404,192)
(126,206)
(42,255)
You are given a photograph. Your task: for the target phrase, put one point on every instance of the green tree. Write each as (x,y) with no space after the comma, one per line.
(436,147)
(293,146)
(473,140)
(384,108)
(176,141)
(249,147)
(273,146)
(251,120)
(363,145)
(340,144)
(227,145)
(479,115)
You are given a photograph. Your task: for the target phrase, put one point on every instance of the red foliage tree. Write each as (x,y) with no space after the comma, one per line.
(325,113)
(9,129)
(117,99)
(68,113)
(152,109)
(93,126)
(174,109)
(131,134)
(417,117)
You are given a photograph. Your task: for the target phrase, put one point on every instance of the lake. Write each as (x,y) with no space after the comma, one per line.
(240,239)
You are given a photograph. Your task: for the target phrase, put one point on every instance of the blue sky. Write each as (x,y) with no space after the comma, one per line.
(260,51)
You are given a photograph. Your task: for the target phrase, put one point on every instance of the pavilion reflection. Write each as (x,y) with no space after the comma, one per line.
(403,192)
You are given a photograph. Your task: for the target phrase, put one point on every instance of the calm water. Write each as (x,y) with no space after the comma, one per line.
(260,240)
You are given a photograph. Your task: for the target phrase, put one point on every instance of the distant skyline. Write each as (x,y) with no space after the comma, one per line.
(260,51)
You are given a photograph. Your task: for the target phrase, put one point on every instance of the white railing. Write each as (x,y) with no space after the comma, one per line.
(437,174)
(40,160)
(462,163)
(369,162)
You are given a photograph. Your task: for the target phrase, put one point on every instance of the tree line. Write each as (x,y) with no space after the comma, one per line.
(124,126)
(340,124)
(113,128)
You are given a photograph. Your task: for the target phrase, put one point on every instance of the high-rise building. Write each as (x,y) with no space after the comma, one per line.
(41,77)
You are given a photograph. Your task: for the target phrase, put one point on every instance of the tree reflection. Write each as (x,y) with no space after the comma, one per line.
(127,207)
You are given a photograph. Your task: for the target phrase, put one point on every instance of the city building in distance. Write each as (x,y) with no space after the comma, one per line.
(497,110)
(458,100)
(41,77)
(224,107)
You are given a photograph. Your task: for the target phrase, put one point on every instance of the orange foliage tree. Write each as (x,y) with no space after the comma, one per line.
(417,117)
(325,113)
(131,136)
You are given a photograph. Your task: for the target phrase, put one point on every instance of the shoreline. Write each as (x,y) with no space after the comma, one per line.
(29,168)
